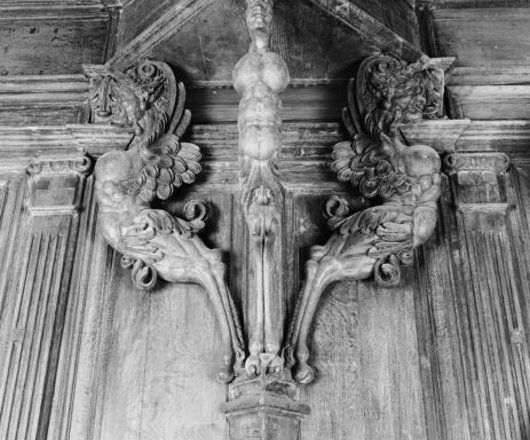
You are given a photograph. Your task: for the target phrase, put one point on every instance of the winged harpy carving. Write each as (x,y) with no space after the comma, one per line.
(399,183)
(155,244)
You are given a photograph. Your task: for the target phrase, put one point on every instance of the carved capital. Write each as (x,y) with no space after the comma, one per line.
(477,179)
(57,185)
(400,185)
(153,243)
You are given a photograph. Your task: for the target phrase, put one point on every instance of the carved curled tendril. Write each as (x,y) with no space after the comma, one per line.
(336,209)
(144,276)
(196,213)
(387,270)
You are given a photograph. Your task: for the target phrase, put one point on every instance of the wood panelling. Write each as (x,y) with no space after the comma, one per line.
(482,37)
(35,298)
(45,38)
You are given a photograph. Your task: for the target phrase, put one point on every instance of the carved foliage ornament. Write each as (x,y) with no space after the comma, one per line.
(153,243)
(401,184)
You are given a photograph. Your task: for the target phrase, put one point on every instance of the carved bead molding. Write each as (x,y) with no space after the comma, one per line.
(153,243)
(259,77)
(400,186)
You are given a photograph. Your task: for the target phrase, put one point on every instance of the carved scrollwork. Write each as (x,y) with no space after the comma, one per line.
(401,183)
(154,244)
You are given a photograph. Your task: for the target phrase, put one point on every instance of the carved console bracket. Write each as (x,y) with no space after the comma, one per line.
(153,243)
(400,186)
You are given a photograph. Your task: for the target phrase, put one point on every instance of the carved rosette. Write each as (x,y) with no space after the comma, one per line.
(400,185)
(153,243)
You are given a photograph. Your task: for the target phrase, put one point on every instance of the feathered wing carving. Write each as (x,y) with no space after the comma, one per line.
(402,183)
(154,244)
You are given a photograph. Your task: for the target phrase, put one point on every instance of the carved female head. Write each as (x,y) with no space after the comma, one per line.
(259,18)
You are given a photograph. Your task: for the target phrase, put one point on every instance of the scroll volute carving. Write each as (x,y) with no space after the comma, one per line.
(399,183)
(153,243)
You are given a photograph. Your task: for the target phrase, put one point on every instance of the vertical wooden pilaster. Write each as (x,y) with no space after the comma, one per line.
(35,296)
(489,305)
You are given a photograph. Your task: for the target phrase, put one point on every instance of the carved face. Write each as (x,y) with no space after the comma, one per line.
(117,102)
(259,14)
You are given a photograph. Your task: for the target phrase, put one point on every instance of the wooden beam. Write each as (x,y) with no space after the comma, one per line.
(168,23)
(369,29)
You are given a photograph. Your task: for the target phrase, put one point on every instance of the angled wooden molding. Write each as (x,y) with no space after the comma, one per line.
(368,28)
(162,28)
(153,243)
(403,181)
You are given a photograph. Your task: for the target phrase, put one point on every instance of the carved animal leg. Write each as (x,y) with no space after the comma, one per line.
(256,330)
(319,276)
(236,333)
(213,280)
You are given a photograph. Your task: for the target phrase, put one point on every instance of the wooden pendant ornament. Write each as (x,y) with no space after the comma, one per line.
(400,185)
(153,243)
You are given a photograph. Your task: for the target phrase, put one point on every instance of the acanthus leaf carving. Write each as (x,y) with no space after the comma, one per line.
(153,243)
(399,183)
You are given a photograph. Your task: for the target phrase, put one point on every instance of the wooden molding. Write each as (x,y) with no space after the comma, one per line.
(369,29)
(490,92)
(167,25)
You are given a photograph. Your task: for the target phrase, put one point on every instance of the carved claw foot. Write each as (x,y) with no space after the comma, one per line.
(303,373)
(264,363)
(225,373)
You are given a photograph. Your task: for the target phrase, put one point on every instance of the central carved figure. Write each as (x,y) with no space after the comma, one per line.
(259,77)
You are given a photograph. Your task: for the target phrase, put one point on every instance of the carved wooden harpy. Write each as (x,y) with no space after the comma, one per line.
(400,184)
(153,243)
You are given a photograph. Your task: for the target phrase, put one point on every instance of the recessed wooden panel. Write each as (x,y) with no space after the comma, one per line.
(48,45)
(479,37)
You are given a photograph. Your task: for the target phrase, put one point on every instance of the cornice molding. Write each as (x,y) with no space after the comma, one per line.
(20,146)
(21,90)
(489,92)
(65,9)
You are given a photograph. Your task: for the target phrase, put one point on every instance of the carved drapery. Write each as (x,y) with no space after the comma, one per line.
(153,243)
(400,186)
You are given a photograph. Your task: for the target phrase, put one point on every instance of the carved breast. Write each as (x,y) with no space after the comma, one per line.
(260,68)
